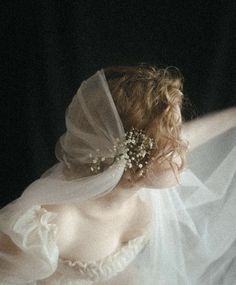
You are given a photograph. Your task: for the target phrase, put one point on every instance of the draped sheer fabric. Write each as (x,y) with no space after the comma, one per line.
(192,240)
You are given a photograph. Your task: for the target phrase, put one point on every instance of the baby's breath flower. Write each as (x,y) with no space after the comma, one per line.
(134,150)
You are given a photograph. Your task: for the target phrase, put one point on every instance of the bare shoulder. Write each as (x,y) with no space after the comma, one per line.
(138,221)
(64,213)
(7,245)
(68,222)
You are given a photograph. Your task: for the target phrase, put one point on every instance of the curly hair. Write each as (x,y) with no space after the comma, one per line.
(149,98)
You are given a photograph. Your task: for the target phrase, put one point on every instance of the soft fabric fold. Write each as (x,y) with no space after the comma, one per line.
(35,255)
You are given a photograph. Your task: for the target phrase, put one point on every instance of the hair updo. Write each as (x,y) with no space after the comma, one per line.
(150,98)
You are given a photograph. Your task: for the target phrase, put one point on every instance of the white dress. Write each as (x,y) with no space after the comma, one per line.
(192,242)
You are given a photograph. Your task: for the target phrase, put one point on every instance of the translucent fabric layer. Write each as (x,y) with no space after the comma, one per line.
(193,229)
(193,239)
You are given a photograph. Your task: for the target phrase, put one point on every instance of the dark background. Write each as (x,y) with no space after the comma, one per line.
(49,47)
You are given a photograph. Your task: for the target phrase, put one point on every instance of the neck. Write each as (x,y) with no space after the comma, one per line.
(111,204)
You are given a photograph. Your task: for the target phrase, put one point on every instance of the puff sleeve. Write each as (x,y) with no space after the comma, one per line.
(28,250)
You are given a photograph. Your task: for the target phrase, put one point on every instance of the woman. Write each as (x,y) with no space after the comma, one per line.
(122,206)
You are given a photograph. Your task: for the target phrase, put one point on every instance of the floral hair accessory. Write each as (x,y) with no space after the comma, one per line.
(135,150)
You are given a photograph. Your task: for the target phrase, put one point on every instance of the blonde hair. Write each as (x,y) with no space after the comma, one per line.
(146,98)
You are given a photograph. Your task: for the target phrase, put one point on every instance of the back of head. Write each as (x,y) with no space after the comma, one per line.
(145,98)
(150,98)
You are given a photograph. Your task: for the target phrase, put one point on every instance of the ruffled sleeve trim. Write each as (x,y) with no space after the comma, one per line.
(34,234)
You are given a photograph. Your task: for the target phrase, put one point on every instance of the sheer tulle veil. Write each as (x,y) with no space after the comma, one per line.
(92,123)
(193,238)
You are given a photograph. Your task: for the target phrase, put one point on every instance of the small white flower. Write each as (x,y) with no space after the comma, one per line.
(143,153)
(134,149)
(140,173)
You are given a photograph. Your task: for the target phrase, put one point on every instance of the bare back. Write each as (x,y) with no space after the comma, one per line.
(85,238)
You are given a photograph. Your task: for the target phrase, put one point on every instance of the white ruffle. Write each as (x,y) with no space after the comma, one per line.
(35,237)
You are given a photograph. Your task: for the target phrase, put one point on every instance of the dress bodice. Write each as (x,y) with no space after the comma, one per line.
(107,267)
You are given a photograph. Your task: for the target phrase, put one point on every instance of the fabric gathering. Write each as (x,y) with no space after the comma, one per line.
(191,236)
